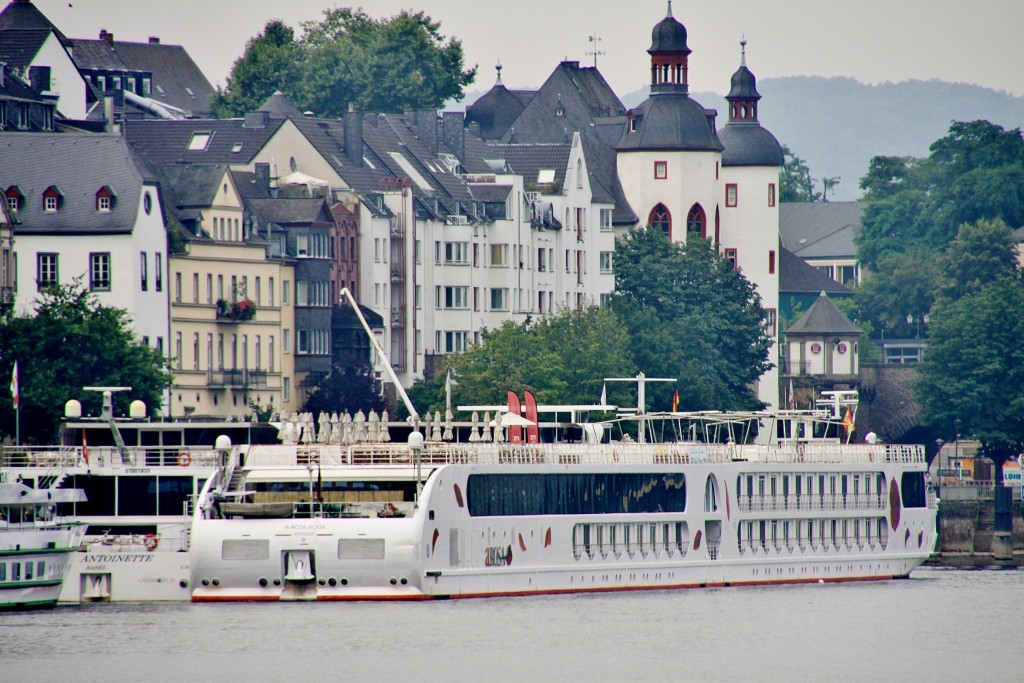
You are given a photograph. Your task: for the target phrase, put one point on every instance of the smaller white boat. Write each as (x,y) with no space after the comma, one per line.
(35,544)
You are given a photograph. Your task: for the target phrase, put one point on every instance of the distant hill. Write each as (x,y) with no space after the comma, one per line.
(837,125)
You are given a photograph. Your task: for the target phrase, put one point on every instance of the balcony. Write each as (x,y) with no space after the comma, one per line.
(241,311)
(238,379)
(6,296)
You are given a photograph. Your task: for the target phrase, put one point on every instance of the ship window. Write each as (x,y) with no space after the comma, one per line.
(245,549)
(174,491)
(913,489)
(99,493)
(564,494)
(136,495)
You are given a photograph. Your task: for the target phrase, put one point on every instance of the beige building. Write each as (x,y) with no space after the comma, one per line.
(231,315)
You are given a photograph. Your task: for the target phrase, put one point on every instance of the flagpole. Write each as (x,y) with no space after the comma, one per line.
(16,395)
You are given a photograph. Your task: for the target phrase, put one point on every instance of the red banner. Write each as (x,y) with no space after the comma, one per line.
(515,432)
(532,432)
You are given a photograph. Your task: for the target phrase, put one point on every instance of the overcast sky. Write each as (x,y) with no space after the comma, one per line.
(873,41)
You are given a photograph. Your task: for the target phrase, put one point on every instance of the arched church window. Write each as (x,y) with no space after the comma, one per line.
(696,222)
(661,219)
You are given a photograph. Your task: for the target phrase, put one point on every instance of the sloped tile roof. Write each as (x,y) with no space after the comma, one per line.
(12,87)
(25,15)
(177,80)
(79,164)
(798,276)
(820,229)
(528,160)
(285,211)
(19,46)
(823,318)
(161,141)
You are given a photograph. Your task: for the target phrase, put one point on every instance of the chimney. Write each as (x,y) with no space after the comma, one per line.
(108,113)
(426,129)
(107,36)
(256,119)
(354,137)
(154,40)
(453,133)
(263,176)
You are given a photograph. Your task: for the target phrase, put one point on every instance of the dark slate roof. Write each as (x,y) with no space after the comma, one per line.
(668,35)
(796,276)
(177,80)
(248,187)
(820,229)
(79,165)
(19,46)
(823,318)
(25,15)
(528,160)
(671,121)
(194,184)
(495,112)
(591,108)
(292,211)
(748,144)
(161,141)
(744,85)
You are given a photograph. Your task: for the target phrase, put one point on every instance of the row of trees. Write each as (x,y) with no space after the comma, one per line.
(678,311)
(937,240)
(349,60)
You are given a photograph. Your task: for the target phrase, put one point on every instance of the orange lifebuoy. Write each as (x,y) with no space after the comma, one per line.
(184,459)
(150,541)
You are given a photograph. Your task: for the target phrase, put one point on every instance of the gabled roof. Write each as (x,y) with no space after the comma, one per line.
(195,185)
(796,276)
(497,110)
(528,160)
(25,15)
(79,165)
(18,47)
(177,80)
(820,229)
(286,212)
(161,141)
(823,318)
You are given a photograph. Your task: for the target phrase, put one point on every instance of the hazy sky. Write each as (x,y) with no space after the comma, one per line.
(873,41)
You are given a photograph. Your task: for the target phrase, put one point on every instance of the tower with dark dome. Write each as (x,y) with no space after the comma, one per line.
(684,177)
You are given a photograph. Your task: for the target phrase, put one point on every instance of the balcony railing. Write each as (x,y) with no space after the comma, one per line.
(240,379)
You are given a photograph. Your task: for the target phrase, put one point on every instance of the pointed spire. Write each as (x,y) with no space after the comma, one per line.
(743,51)
(669,9)
(497,67)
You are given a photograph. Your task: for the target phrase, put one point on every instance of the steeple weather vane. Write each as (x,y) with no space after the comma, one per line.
(595,39)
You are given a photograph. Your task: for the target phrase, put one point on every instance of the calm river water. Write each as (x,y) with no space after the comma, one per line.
(940,625)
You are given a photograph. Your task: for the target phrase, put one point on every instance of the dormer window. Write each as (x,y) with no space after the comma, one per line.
(52,199)
(15,199)
(105,199)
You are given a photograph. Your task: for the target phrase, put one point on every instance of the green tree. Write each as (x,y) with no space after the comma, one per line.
(347,60)
(974,368)
(976,172)
(981,254)
(692,316)
(346,389)
(270,63)
(795,182)
(73,341)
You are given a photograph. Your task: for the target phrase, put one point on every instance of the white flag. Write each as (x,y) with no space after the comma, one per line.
(14,384)
(448,391)
(604,394)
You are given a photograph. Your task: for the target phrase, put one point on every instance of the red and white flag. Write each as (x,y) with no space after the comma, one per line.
(14,385)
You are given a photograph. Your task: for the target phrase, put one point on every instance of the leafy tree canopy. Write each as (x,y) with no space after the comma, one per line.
(562,359)
(974,368)
(795,183)
(692,316)
(974,173)
(349,60)
(71,342)
(346,389)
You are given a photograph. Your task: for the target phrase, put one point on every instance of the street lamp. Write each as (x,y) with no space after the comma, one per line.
(938,467)
(956,447)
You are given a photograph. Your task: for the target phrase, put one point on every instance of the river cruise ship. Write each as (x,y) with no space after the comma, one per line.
(691,501)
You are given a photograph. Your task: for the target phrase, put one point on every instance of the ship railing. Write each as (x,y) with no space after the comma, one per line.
(813,502)
(832,452)
(58,457)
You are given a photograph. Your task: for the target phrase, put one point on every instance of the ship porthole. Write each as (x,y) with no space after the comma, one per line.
(332,581)
(404,581)
(277,582)
(206,582)
(344,582)
(263,581)
(216,582)
(394,581)
(183,583)
(322,582)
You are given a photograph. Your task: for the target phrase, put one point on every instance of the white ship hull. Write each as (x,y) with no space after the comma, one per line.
(862,516)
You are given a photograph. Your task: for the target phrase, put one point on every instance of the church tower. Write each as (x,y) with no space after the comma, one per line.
(684,177)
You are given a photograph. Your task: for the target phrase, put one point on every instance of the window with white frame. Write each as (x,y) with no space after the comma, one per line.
(499,255)
(158,271)
(456,297)
(99,271)
(606,261)
(46,270)
(455,341)
(606,220)
(144,271)
(499,298)
(456,253)
(730,194)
